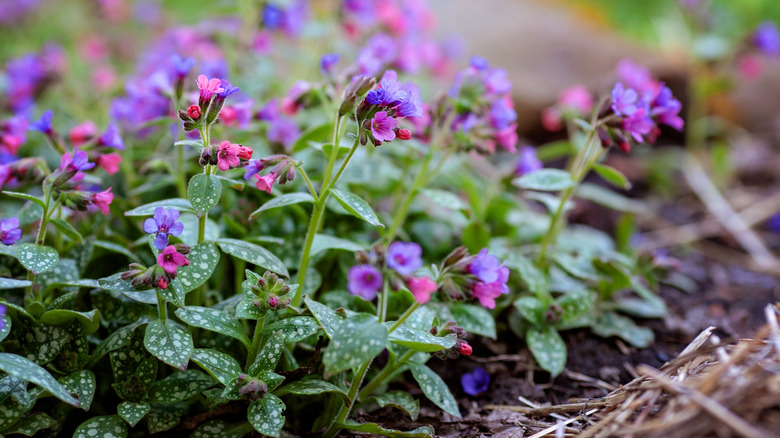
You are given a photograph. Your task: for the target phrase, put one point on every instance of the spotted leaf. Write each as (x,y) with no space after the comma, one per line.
(434,388)
(204,192)
(203,259)
(327,317)
(214,320)
(133,412)
(180,204)
(82,383)
(267,415)
(269,355)
(169,342)
(179,386)
(548,348)
(401,400)
(356,340)
(254,254)
(357,207)
(421,340)
(295,329)
(37,258)
(311,386)
(24,369)
(221,366)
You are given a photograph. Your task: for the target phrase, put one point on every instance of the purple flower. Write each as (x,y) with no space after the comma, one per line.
(163,223)
(635,76)
(328,62)
(666,108)
(624,101)
(475,382)
(284,131)
(485,266)
(528,161)
(272,16)
(478,63)
(497,82)
(502,114)
(9,230)
(44,123)
(411,106)
(364,281)
(773,223)
(228,89)
(767,38)
(382,126)
(181,66)
(75,161)
(404,257)
(111,137)
(376,96)
(2,313)
(487,292)
(252,168)
(638,124)
(270,111)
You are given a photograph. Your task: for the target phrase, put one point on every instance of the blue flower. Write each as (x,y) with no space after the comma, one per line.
(475,382)
(44,123)
(111,137)
(163,223)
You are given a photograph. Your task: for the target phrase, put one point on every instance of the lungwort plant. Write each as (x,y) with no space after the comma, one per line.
(213,267)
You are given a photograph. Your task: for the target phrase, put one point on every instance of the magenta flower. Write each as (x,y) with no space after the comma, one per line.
(9,231)
(422,288)
(576,98)
(227,156)
(487,292)
(638,125)
(170,259)
(404,257)
(163,223)
(75,161)
(209,87)
(666,109)
(265,183)
(475,382)
(109,162)
(364,281)
(382,126)
(624,101)
(102,200)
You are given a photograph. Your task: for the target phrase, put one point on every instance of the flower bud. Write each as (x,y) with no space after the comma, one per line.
(465,349)
(273,301)
(162,283)
(403,134)
(194,112)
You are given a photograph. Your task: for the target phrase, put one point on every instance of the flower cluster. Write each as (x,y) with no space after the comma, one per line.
(30,75)
(160,275)
(271,292)
(480,276)
(461,347)
(225,155)
(66,181)
(379,111)
(211,98)
(639,104)
(402,260)
(282,170)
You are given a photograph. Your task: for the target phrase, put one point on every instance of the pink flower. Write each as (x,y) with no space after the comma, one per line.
(208,87)
(82,132)
(102,200)
(577,98)
(227,156)
(551,119)
(487,293)
(110,163)
(265,183)
(508,138)
(422,288)
(170,259)
(749,66)
(382,127)
(465,349)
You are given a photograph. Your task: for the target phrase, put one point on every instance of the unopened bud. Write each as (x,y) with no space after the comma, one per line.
(194,112)
(273,301)
(162,283)
(404,134)
(465,349)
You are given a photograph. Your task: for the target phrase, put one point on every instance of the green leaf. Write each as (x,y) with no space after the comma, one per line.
(575,304)
(12,283)
(169,342)
(90,321)
(317,133)
(67,229)
(434,388)
(118,339)
(375,429)
(401,400)
(356,340)
(189,235)
(323,242)
(327,317)
(445,199)
(269,355)
(254,254)
(548,349)
(5,326)
(173,294)
(357,207)
(610,199)
(283,201)
(550,180)
(267,415)
(180,204)
(85,283)
(421,340)
(214,320)
(32,424)
(204,192)
(311,386)
(194,143)
(115,283)
(221,429)
(295,329)
(476,235)
(83,384)
(104,426)
(133,412)
(179,386)
(44,342)
(221,366)
(271,379)
(474,319)
(532,309)
(530,274)
(612,176)
(612,324)
(26,197)
(164,417)
(204,258)
(24,369)
(37,258)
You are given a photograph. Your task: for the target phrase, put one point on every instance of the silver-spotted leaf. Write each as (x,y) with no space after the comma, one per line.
(204,192)
(267,415)
(24,369)
(254,254)
(356,340)
(37,258)
(214,320)
(169,342)
(434,388)
(133,412)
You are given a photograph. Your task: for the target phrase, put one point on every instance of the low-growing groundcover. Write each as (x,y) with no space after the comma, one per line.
(223,257)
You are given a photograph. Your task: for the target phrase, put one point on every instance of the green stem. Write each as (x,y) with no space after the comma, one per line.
(162,307)
(388,371)
(334,152)
(314,224)
(357,380)
(305,176)
(256,338)
(181,177)
(403,210)
(381,305)
(404,317)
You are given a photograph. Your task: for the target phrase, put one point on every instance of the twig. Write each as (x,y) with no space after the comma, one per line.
(722,211)
(552,429)
(551,410)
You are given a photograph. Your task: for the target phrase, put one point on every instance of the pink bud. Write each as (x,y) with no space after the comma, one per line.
(273,301)
(194,112)
(244,152)
(551,119)
(465,349)
(162,283)
(404,134)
